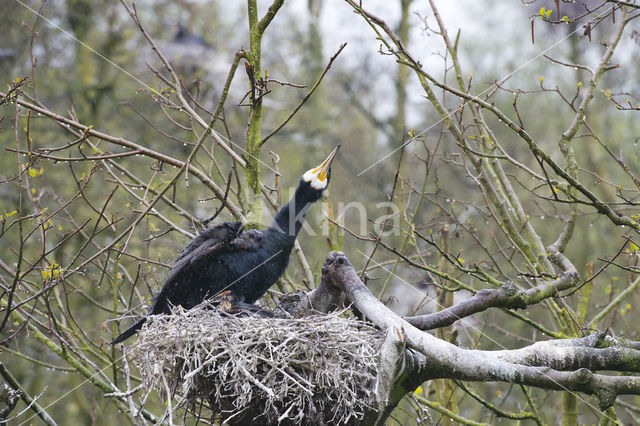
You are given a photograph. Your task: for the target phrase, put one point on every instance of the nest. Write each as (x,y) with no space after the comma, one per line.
(318,369)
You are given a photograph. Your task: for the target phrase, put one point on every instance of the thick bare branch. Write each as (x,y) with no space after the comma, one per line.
(442,359)
(508,296)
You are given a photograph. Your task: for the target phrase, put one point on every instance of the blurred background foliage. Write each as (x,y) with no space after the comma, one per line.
(92,62)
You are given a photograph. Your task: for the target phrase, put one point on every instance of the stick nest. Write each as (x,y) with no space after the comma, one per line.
(312,370)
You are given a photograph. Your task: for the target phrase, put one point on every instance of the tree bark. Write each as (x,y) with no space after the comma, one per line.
(566,364)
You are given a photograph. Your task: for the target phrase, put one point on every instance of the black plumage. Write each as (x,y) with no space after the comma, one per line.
(184,36)
(225,257)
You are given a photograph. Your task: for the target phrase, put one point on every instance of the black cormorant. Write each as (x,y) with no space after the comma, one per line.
(245,263)
(184,36)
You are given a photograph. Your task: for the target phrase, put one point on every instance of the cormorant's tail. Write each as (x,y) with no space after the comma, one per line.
(129,332)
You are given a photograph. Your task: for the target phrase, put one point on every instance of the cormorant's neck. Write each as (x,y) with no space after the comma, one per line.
(290,218)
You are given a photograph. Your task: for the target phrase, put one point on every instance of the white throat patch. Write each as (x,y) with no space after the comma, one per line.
(312,176)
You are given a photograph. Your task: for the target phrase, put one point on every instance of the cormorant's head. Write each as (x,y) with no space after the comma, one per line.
(316,180)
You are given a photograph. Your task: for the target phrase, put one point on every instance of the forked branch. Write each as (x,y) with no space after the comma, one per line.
(432,358)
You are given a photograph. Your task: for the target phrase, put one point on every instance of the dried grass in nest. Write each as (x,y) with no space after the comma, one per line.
(311,370)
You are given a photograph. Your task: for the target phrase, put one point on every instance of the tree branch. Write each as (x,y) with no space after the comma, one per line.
(31,402)
(268,17)
(404,57)
(306,97)
(433,358)
(508,296)
(89,131)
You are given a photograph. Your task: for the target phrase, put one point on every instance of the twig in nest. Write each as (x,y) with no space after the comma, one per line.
(318,369)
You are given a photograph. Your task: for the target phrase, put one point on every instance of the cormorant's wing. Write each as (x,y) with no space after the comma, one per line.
(249,240)
(208,243)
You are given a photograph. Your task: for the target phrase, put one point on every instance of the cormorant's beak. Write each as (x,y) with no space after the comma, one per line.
(326,165)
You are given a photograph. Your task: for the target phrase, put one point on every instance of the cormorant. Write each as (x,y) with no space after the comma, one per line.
(245,263)
(184,36)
